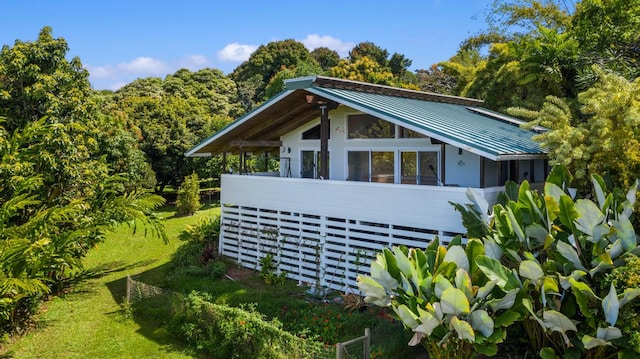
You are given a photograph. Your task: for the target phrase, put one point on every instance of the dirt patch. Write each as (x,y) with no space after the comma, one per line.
(239,273)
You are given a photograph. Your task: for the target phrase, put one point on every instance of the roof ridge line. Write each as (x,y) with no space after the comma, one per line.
(343,84)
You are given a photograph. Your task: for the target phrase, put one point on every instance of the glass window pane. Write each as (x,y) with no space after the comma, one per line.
(367,126)
(429,171)
(314,133)
(382,167)
(407,133)
(308,166)
(408,167)
(358,162)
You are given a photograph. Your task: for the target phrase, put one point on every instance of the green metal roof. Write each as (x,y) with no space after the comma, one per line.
(454,120)
(489,134)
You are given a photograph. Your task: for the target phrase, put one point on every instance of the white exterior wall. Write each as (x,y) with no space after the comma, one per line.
(326,232)
(462,168)
(339,145)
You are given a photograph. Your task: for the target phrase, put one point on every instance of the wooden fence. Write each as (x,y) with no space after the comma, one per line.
(343,353)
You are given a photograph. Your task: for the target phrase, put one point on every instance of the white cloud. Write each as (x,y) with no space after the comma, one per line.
(194,62)
(235,52)
(113,77)
(145,65)
(314,41)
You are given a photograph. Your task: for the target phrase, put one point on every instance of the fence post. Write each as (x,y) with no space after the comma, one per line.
(367,344)
(339,351)
(128,288)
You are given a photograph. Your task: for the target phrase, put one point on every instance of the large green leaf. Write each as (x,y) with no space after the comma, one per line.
(628,295)
(402,261)
(531,269)
(589,216)
(457,255)
(440,285)
(568,213)
(373,291)
(609,333)
(383,277)
(567,251)
(474,248)
(611,306)
(454,301)
(482,322)
(407,316)
(507,318)
(463,282)
(505,302)
(464,330)
(494,270)
(557,322)
(625,232)
(515,225)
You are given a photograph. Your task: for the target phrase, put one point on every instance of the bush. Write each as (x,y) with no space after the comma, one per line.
(627,276)
(188,201)
(226,332)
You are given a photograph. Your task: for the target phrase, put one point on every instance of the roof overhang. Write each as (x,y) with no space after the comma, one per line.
(260,130)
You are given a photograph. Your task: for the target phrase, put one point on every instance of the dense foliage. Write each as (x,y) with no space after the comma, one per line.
(227,332)
(536,260)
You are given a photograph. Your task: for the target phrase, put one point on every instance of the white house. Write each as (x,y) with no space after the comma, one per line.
(362,167)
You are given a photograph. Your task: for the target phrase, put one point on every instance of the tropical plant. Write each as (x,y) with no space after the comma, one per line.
(456,300)
(562,248)
(188,201)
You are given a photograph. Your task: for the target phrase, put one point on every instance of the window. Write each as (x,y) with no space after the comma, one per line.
(371,166)
(358,162)
(407,133)
(382,167)
(419,167)
(367,126)
(311,164)
(314,133)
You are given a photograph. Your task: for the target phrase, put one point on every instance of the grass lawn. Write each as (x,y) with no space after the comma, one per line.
(88,322)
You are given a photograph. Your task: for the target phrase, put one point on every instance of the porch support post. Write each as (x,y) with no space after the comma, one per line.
(324,142)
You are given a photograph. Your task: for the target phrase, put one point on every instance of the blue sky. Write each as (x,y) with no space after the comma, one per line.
(119,40)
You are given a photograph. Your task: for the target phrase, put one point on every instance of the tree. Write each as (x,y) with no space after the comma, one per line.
(325,57)
(608,32)
(253,75)
(188,201)
(276,84)
(370,50)
(602,138)
(37,81)
(363,69)
(174,115)
(434,79)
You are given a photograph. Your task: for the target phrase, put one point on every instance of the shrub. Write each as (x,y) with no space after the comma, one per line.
(226,332)
(627,276)
(188,201)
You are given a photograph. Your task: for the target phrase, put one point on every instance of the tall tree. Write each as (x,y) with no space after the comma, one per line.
(370,50)
(602,137)
(174,115)
(37,81)
(253,75)
(325,57)
(608,32)
(434,79)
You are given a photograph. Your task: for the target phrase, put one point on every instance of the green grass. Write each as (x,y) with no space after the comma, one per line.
(88,322)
